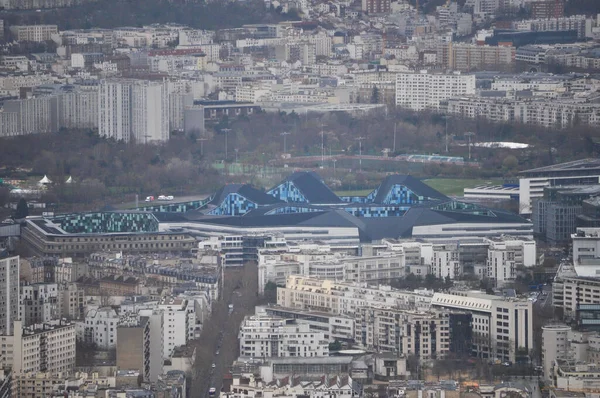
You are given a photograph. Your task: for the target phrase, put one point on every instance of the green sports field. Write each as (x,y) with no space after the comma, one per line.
(455,186)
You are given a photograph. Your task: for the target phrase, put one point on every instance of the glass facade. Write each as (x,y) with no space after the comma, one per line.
(106,222)
(176,207)
(288,192)
(401,195)
(377,211)
(234,204)
(467,208)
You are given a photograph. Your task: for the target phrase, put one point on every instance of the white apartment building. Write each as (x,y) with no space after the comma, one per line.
(34,32)
(344,298)
(99,328)
(265,336)
(586,251)
(48,347)
(9,293)
(133,109)
(501,327)
(9,124)
(38,303)
(446,264)
(554,346)
(175,323)
(114,110)
(334,327)
(276,267)
(423,90)
(150,112)
(405,332)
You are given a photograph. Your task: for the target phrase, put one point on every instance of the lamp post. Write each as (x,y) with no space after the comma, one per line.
(226,131)
(394,147)
(469,134)
(201,145)
(284,135)
(360,139)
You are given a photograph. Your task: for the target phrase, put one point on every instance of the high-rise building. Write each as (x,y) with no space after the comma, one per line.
(423,90)
(548,9)
(133,109)
(9,294)
(376,6)
(34,115)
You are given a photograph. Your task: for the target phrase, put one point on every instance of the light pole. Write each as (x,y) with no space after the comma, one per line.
(236,155)
(201,145)
(334,160)
(394,150)
(470,134)
(284,135)
(322,147)
(226,131)
(446,118)
(360,151)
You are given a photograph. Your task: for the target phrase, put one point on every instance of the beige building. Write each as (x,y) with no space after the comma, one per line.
(465,57)
(71,301)
(34,32)
(133,346)
(48,347)
(314,294)
(46,384)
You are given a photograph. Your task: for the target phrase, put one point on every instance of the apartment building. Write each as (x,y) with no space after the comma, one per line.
(38,303)
(344,298)
(34,32)
(71,301)
(79,109)
(406,332)
(176,323)
(34,115)
(333,327)
(120,285)
(466,57)
(134,346)
(46,384)
(548,9)
(47,347)
(9,293)
(276,268)
(502,328)
(99,328)
(574,22)
(554,346)
(266,336)
(376,6)
(9,124)
(423,90)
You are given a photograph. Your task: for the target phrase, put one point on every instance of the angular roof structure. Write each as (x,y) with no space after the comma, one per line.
(311,188)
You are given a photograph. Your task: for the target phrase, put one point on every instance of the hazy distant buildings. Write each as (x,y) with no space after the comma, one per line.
(548,9)
(376,6)
(34,32)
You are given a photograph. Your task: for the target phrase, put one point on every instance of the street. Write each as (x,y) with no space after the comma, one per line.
(218,343)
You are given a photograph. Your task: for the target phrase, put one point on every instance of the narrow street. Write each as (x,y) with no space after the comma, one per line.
(218,343)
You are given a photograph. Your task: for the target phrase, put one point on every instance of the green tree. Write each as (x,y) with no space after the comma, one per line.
(335,346)
(271,292)
(375,95)
(22,209)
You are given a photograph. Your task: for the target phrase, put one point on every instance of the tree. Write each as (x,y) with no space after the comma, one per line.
(271,292)
(335,346)
(375,95)
(22,209)
(4,195)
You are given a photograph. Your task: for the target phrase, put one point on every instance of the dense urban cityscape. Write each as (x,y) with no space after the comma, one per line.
(300,198)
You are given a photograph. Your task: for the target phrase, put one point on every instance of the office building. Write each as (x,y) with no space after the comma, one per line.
(502,327)
(532,182)
(423,90)
(265,336)
(48,347)
(34,32)
(38,303)
(9,293)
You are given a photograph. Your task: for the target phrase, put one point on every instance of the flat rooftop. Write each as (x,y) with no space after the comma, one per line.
(588,166)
